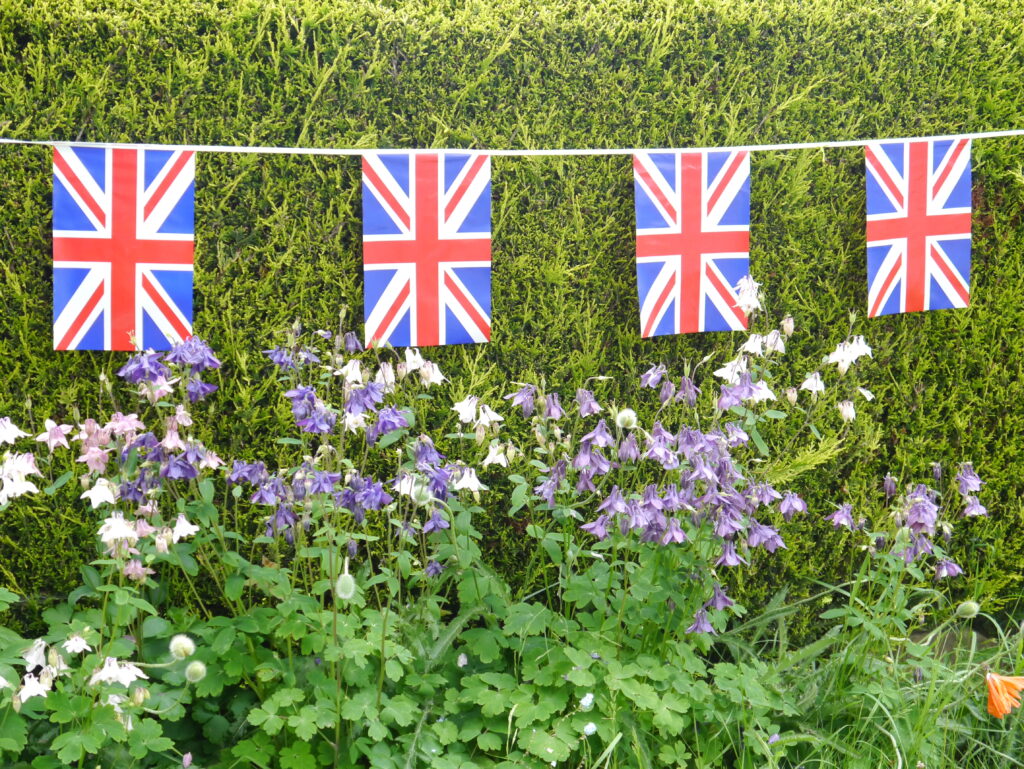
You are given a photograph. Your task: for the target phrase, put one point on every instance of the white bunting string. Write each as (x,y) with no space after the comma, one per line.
(258,150)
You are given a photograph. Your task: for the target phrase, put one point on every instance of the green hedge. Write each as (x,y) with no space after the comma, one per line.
(279,237)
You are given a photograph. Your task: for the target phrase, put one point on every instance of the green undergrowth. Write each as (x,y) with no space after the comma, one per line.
(278,237)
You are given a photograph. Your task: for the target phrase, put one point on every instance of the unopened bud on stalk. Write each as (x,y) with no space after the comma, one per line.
(182,646)
(195,672)
(787,325)
(139,695)
(345,587)
(791,394)
(968,610)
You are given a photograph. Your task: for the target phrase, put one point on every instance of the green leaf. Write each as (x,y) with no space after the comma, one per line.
(755,436)
(304,722)
(298,755)
(775,414)
(392,437)
(519,496)
(64,478)
(147,737)
(13,732)
(289,441)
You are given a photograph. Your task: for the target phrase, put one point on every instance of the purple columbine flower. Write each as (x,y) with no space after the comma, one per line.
(373,497)
(282,520)
(269,492)
(553,407)
(652,376)
(365,398)
(303,399)
(321,420)
(974,507)
(841,517)
(195,353)
(731,396)
(524,398)
(719,600)
(946,568)
(673,532)
(352,548)
(688,391)
(700,623)
(937,471)
(198,389)
(323,482)
(767,537)
(433,569)
(922,513)
(547,489)
(585,401)
(791,504)
(436,523)
(628,449)
(352,343)
(599,436)
(281,357)
(388,420)
(728,522)
(968,479)
(144,367)
(425,453)
(666,392)
(586,482)
(614,502)
(254,472)
(763,493)
(438,480)
(736,435)
(598,528)
(178,467)
(729,556)
(889,486)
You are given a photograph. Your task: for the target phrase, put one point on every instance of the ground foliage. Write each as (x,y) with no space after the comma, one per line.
(278,237)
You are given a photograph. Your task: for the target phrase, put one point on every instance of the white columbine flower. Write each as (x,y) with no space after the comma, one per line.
(35,655)
(813,384)
(732,370)
(352,372)
(413,359)
(5,684)
(748,296)
(116,672)
(430,374)
(102,491)
(32,687)
(183,529)
(868,395)
(496,455)
(415,488)
(846,410)
(9,432)
(75,644)
(466,408)
(774,342)
(754,345)
(847,353)
(353,423)
(762,392)
(488,417)
(386,376)
(468,480)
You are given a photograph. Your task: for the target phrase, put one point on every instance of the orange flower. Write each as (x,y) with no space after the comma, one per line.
(1003,693)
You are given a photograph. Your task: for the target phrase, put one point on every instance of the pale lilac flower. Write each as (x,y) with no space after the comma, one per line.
(688,391)
(523,397)
(673,532)
(436,523)
(433,569)
(194,353)
(974,508)
(553,407)
(767,537)
(352,343)
(968,479)
(668,389)
(388,420)
(937,471)
(586,403)
(135,571)
(281,357)
(125,424)
(791,503)
(843,516)
(652,376)
(598,528)
(921,513)
(700,623)
(629,451)
(198,390)
(186,759)
(157,389)
(614,502)
(946,568)
(889,486)
(9,432)
(719,600)
(55,435)
(729,555)
(599,436)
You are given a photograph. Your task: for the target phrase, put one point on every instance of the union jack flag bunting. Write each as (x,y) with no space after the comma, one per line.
(123,240)
(692,239)
(427,248)
(918,225)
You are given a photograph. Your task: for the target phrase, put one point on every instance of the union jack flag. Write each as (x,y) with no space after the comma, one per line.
(427,248)
(692,239)
(918,225)
(123,241)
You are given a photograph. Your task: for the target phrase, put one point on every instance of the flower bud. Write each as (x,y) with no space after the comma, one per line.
(345,587)
(195,672)
(968,610)
(787,325)
(139,696)
(791,394)
(846,410)
(626,419)
(182,646)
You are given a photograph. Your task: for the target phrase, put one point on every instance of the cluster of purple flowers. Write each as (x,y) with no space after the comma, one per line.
(192,354)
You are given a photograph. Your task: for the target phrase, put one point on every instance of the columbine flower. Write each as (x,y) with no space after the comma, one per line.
(9,432)
(35,655)
(116,531)
(761,392)
(974,508)
(598,528)
(585,401)
(791,504)
(946,568)
(846,410)
(1003,693)
(813,384)
(430,374)
(195,353)
(868,395)
(889,486)
(466,408)
(700,623)
(116,672)
(841,517)
(968,479)
(496,455)
(733,370)
(523,397)
(436,522)
(626,419)
(652,376)
(31,687)
(847,353)
(787,325)
(468,480)
(413,359)
(754,345)
(488,417)
(553,407)
(55,435)
(792,395)
(433,569)
(75,644)
(774,342)
(748,297)
(352,372)
(135,571)
(183,529)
